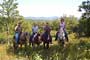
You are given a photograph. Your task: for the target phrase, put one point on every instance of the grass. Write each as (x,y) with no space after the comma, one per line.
(77,49)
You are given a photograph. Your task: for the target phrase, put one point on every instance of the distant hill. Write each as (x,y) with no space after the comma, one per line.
(42,18)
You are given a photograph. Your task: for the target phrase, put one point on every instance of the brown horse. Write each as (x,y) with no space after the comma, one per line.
(22,40)
(46,40)
(35,40)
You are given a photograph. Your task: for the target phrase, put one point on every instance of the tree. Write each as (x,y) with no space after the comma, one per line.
(55,24)
(8,12)
(86,7)
(85,20)
(8,8)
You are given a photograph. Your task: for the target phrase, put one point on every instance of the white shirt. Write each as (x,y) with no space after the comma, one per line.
(35,29)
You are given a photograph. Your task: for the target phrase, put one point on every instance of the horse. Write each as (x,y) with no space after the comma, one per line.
(35,40)
(61,36)
(24,36)
(46,40)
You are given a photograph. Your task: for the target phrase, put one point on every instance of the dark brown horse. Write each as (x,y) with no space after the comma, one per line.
(35,40)
(46,40)
(24,36)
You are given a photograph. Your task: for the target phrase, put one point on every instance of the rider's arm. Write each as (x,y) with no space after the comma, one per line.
(16,28)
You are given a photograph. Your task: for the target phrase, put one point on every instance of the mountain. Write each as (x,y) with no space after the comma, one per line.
(42,18)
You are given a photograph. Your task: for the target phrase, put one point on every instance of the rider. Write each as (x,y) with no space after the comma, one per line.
(18,31)
(63,26)
(34,30)
(47,30)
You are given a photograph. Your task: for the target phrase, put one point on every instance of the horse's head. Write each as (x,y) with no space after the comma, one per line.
(38,37)
(38,34)
(27,35)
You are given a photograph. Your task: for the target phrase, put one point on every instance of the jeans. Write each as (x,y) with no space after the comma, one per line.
(17,37)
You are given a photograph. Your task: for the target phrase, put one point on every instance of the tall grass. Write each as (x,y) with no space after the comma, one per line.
(76,49)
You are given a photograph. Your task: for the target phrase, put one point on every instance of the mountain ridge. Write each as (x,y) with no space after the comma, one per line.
(42,18)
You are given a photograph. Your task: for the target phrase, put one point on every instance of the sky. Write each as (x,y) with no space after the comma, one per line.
(48,8)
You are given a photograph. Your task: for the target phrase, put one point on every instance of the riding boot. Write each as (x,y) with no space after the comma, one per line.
(66,35)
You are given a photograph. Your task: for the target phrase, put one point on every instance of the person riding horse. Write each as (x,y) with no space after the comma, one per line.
(18,31)
(34,31)
(63,26)
(35,37)
(46,37)
(20,37)
(47,30)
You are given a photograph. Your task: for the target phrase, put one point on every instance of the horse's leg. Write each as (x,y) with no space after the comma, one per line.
(38,44)
(21,45)
(44,44)
(50,38)
(25,47)
(30,43)
(67,38)
(47,45)
(60,42)
(33,46)
(56,37)
(14,46)
(63,42)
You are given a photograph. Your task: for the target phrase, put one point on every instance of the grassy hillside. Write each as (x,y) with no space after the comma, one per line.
(76,49)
